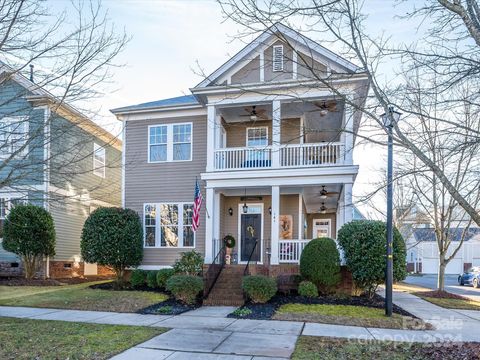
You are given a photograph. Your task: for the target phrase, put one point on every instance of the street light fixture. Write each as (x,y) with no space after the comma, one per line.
(389,120)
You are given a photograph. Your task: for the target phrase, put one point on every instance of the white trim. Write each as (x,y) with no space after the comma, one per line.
(169,142)
(255,127)
(46,163)
(275,224)
(239,216)
(302,41)
(162,113)
(180,225)
(124,145)
(99,171)
(262,65)
(276,68)
(154,267)
(294,64)
(329,221)
(210,210)
(300,217)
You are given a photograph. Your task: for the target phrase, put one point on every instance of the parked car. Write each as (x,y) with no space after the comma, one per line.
(470,277)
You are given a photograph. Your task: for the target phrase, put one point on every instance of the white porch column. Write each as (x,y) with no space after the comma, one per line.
(276,129)
(209,224)
(348,134)
(274,234)
(211,130)
(216,217)
(300,217)
(348,203)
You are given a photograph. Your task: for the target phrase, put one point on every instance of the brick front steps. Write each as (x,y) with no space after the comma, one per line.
(227,290)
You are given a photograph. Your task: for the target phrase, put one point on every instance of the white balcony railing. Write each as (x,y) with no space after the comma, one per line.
(292,155)
(289,251)
(311,155)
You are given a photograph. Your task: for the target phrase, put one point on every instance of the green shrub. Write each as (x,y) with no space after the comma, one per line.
(190,263)
(29,232)
(363,243)
(259,288)
(308,289)
(320,263)
(113,237)
(152,279)
(185,288)
(138,277)
(162,276)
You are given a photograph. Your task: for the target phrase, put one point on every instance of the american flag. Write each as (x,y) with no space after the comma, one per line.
(197,204)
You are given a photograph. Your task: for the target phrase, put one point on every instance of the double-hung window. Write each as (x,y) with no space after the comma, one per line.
(171,142)
(13,136)
(257,136)
(168,225)
(98,160)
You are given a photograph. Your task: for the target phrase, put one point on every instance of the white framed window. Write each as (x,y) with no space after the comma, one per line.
(168,225)
(6,204)
(98,160)
(257,136)
(277,58)
(13,136)
(170,142)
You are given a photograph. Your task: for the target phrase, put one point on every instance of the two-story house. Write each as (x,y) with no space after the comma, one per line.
(271,143)
(53,156)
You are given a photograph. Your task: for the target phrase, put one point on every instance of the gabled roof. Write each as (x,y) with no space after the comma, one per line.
(428,234)
(175,101)
(312,46)
(44,97)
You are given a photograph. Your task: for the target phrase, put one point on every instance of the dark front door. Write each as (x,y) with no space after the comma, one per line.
(251,230)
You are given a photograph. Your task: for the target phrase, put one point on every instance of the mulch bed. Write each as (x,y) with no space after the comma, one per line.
(112,285)
(266,311)
(20,281)
(440,295)
(169,307)
(450,351)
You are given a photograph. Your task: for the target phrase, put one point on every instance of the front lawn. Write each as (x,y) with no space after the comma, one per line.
(310,348)
(79,297)
(41,339)
(345,315)
(448,300)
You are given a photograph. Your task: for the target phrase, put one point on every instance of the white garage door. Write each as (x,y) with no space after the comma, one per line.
(430,266)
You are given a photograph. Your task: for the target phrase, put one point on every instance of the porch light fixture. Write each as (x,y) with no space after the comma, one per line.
(323,209)
(390,118)
(230,211)
(270,210)
(245,206)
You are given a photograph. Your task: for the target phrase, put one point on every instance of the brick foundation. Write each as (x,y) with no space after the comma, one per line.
(69,269)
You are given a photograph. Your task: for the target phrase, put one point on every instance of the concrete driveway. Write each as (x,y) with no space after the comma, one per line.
(451,285)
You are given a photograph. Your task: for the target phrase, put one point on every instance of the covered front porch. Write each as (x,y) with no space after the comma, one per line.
(272,224)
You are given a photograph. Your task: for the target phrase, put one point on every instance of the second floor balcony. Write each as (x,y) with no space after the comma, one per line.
(279,135)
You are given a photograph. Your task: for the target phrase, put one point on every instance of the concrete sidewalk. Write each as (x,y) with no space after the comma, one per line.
(206,333)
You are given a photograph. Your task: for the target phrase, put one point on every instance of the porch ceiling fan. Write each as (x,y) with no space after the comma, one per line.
(325,194)
(255,114)
(325,107)
(323,209)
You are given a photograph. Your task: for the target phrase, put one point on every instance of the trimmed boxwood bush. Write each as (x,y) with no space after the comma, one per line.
(152,279)
(162,276)
(185,288)
(308,289)
(190,263)
(259,288)
(320,264)
(364,246)
(113,237)
(138,278)
(29,232)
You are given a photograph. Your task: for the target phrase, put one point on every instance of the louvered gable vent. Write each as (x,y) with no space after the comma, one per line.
(278,58)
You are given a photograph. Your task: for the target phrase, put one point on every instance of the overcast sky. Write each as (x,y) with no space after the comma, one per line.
(169,38)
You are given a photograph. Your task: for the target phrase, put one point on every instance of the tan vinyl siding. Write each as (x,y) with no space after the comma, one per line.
(237,132)
(250,73)
(163,182)
(309,68)
(289,206)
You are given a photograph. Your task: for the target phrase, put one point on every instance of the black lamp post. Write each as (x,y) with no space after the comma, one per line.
(389,119)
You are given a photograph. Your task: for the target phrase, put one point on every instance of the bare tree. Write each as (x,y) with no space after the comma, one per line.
(73,53)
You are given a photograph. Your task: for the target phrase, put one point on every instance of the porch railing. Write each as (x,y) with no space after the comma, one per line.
(291,155)
(214,270)
(289,251)
(311,155)
(243,158)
